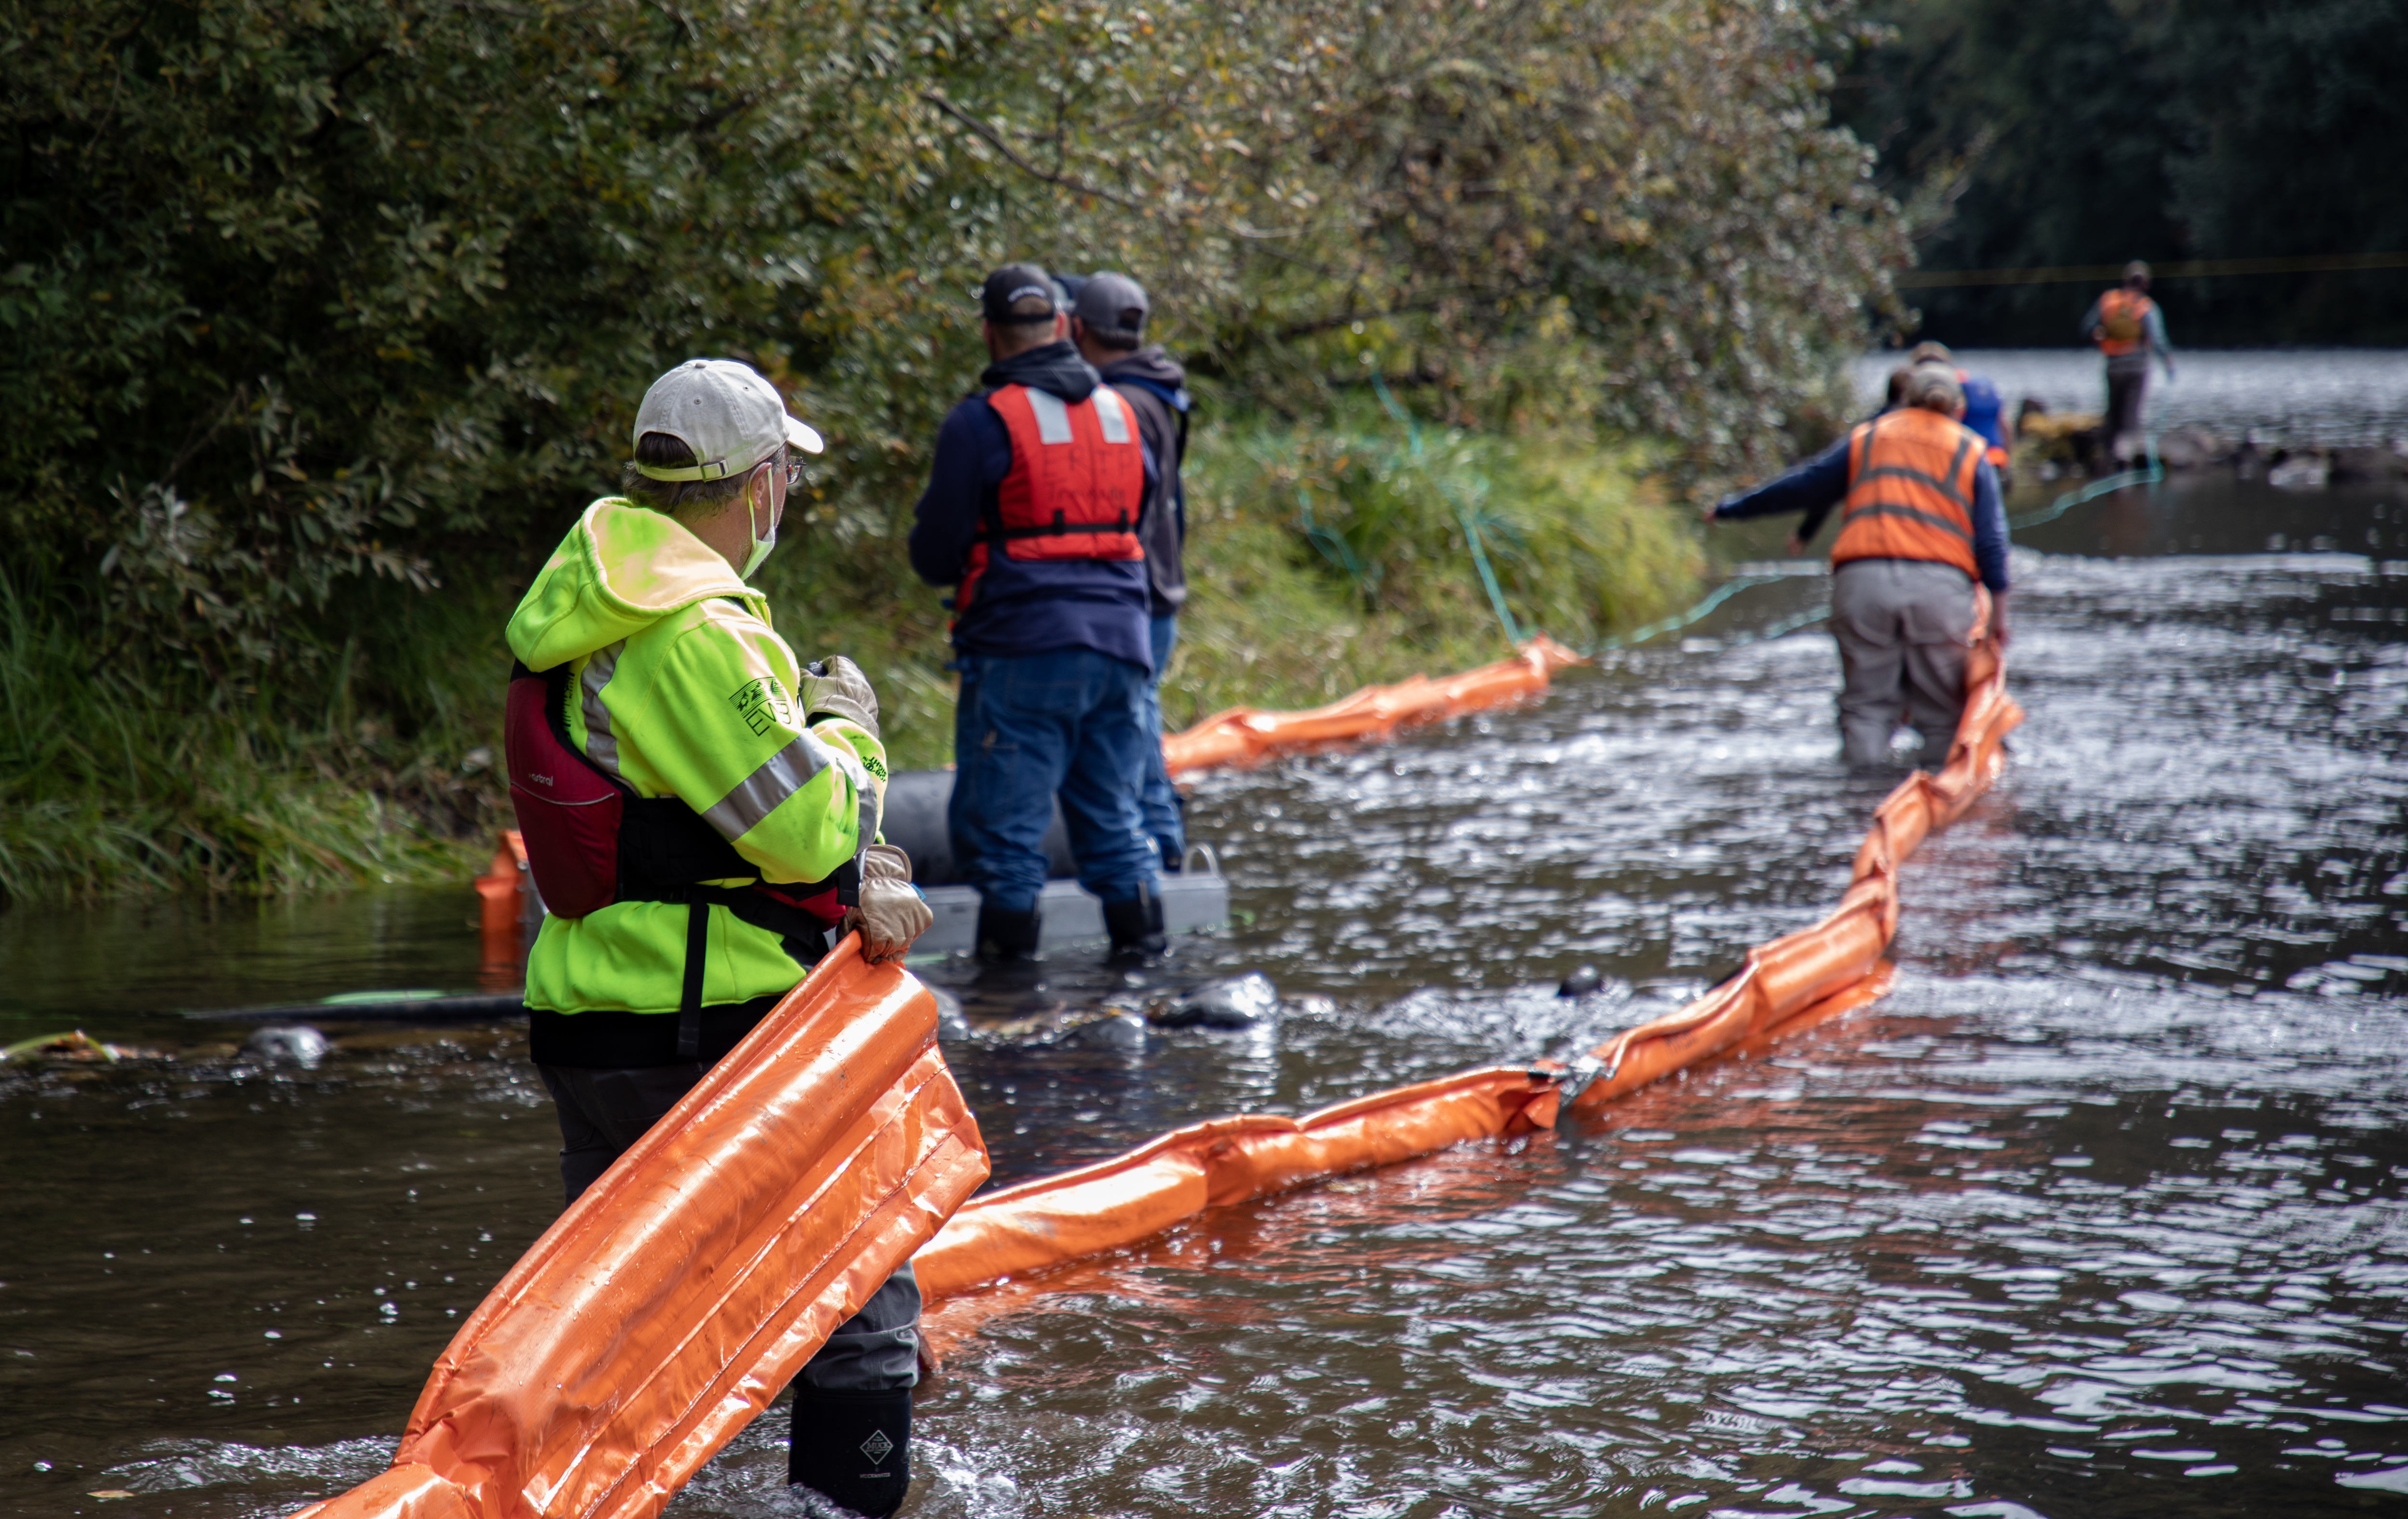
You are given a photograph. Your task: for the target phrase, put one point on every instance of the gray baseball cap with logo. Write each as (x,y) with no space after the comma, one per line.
(727,413)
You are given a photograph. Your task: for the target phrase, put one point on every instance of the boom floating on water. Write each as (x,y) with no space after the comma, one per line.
(671,1302)
(1784,987)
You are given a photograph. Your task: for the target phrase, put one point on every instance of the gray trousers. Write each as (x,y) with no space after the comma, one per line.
(1902,625)
(604,1111)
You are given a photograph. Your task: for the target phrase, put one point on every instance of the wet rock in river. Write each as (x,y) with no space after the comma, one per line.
(285,1044)
(1115,1030)
(1581,982)
(2368,464)
(1231,1002)
(952,1022)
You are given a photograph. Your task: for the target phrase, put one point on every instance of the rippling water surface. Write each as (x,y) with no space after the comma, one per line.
(2328,396)
(2098,1214)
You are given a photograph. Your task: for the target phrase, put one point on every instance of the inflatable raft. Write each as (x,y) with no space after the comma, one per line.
(1196,896)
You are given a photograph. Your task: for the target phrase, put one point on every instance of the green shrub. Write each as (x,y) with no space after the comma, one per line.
(327,316)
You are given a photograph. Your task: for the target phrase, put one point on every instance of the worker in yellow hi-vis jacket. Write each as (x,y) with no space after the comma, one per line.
(700,810)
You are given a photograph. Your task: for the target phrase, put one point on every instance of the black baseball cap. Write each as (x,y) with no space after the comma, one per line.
(1113,306)
(1020,292)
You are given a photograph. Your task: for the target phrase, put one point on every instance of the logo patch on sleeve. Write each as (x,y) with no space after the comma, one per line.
(764,704)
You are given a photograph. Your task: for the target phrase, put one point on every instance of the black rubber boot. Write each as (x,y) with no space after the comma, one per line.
(1135,927)
(1005,937)
(854,1448)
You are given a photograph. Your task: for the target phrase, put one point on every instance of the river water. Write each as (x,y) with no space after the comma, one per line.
(2098,1214)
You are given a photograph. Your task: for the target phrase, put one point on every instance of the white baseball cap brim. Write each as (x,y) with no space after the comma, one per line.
(731,418)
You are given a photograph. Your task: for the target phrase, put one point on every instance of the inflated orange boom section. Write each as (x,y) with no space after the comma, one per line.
(675,1299)
(680,1295)
(1245,735)
(1784,986)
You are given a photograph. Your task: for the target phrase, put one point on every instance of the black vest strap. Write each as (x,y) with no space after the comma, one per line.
(668,849)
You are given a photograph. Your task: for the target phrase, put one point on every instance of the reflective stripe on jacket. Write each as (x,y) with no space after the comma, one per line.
(1910,480)
(1077,485)
(679,687)
(2123,322)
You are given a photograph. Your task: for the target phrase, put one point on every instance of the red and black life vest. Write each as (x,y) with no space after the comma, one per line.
(591,840)
(1077,484)
(1911,475)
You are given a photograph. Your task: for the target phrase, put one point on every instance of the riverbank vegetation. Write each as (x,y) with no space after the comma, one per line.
(333,316)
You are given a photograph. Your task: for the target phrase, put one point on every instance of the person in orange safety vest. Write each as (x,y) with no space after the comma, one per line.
(2129,328)
(1920,522)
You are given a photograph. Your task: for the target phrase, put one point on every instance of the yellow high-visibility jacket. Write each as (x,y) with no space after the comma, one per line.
(679,687)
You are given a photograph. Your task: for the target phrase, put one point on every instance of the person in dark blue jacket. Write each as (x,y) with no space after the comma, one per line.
(1032,513)
(1108,316)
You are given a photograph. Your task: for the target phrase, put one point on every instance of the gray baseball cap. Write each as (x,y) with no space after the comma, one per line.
(1113,306)
(725,412)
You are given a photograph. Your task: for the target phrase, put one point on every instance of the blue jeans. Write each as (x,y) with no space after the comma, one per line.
(1070,722)
(1164,821)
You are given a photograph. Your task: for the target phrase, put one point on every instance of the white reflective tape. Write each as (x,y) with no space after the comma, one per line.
(1053,417)
(601,742)
(779,776)
(1114,413)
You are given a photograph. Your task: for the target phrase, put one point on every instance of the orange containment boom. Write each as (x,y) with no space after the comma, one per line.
(1785,987)
(680,1295)
(1245,735)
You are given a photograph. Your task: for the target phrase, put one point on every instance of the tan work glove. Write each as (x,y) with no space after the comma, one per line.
(891,914)
(835,687)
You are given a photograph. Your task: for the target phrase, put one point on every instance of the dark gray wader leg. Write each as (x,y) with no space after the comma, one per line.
(851,1439)
(852,1436)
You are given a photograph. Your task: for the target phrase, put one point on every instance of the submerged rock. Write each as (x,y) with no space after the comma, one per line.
(1231,1002)
(1581,982)
(952,1022)
(285,1044)
(1114,1030)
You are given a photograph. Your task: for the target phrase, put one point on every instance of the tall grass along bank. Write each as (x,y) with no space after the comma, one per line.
(1320,558)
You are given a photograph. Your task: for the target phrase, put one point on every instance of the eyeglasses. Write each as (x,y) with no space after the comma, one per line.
(794,468)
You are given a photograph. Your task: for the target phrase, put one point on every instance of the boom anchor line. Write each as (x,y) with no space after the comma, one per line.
(671,1303)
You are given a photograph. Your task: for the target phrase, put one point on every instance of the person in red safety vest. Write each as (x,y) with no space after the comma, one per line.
(2129,328)
(1920,523)
(1034,514)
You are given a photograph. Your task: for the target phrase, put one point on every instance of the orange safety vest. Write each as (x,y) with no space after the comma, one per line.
(1076,486)
(1910,490)
(2123,321)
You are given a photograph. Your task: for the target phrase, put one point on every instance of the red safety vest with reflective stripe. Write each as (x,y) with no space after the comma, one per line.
(1077,482)
(2123,321)
(1910,490)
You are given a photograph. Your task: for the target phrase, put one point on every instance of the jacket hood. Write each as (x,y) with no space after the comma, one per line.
(621,568)
(1053,367)
(1148,362)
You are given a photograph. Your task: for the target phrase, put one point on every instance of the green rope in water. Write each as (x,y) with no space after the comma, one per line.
(2152,475)
(1336,548)
(1471,528)
(2092,492)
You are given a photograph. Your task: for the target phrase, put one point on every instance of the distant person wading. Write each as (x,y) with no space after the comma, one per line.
(1920,520)
(2128,327)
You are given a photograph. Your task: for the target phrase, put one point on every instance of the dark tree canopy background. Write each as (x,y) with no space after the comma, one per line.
(2034,133)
